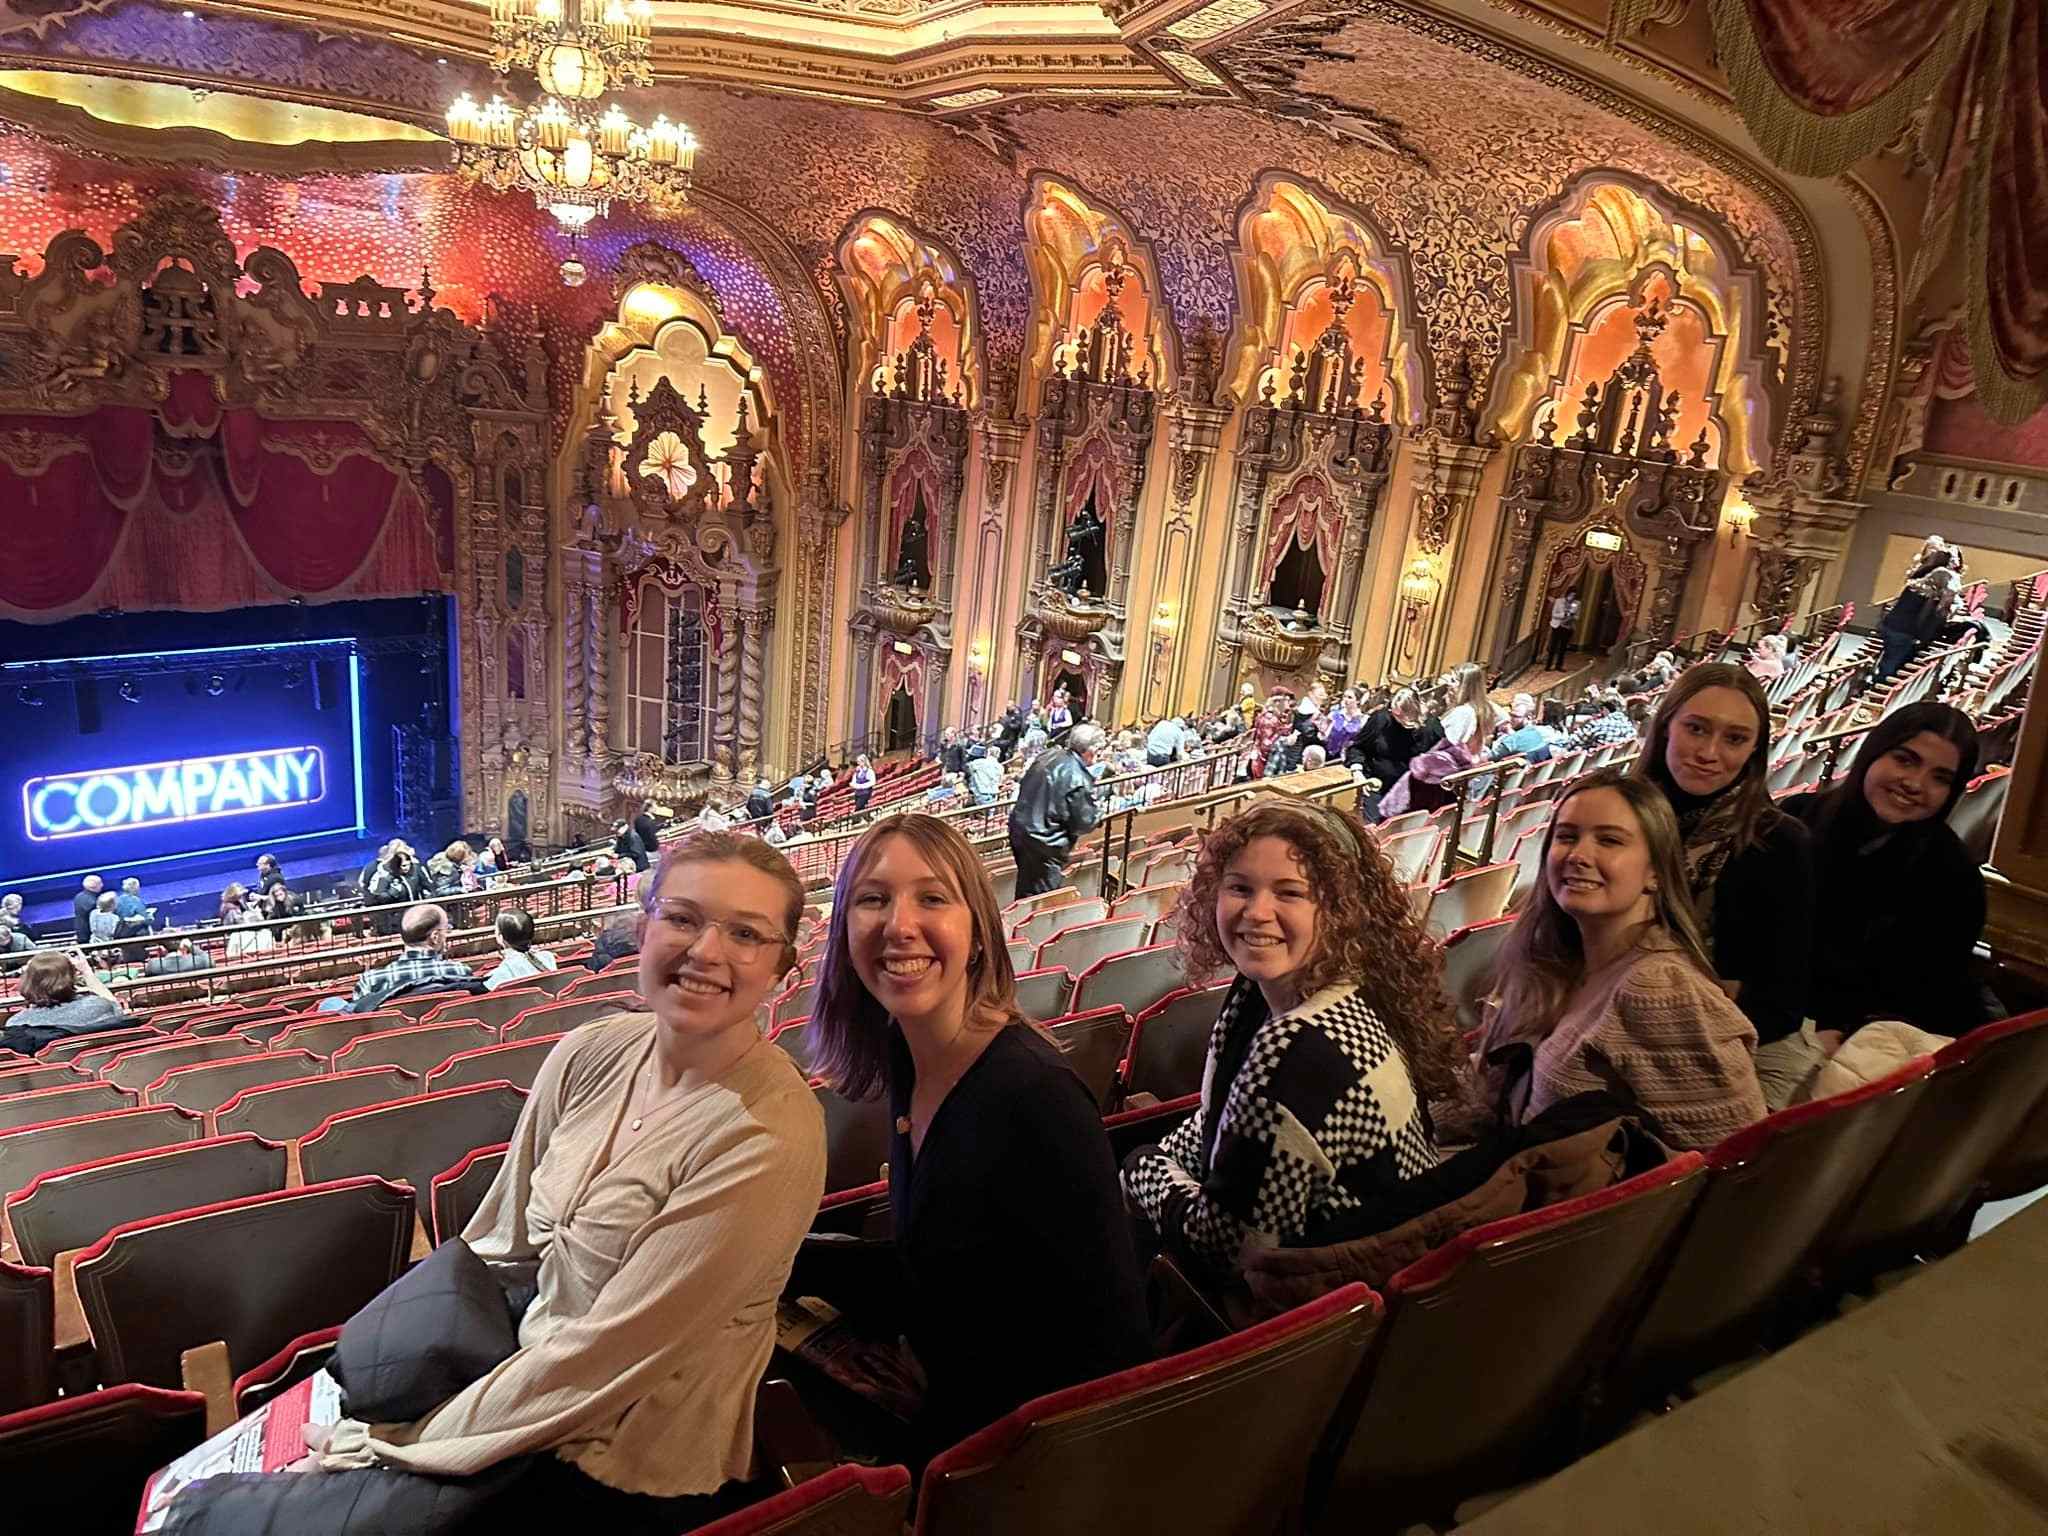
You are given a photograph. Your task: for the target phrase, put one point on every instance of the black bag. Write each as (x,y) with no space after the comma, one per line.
(426,1336)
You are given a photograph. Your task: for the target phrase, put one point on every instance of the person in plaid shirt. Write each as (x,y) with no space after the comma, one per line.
(423,960)
(1612,724)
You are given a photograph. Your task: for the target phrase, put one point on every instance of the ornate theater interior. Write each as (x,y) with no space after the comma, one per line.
(620,403)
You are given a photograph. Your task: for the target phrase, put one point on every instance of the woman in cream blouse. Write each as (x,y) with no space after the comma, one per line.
(662,1174)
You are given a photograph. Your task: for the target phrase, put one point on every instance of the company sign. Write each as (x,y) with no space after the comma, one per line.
(162,794)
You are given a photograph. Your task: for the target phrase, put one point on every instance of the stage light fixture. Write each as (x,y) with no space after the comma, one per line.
(130,691)
(216,685)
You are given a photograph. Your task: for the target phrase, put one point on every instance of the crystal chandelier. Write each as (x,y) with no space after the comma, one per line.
(574,160)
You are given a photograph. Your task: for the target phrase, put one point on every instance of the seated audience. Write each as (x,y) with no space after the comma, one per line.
(422,966)
(12,940)
(1898,902)
(515,943)
(1011,1270)
(1169,741)
(628,845)
(1766,663)
(278,902)
(445,870)
(984,775)
(178,960)
(60,996)
(1748,866)
(760,801)
(660,1178)
(234,901)
(1331,1045)
(398,877)
(1605,981)
(647,824)
(251,936)
(1612,726)
(1526,735)
(618,939)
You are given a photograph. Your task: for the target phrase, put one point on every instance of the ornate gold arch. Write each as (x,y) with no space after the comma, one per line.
(1068,235)
(885,262)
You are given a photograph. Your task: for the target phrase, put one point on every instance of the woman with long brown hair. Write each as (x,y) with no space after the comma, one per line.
(1606,983)
(1331,1046)
(1748,866)
(1012,1271)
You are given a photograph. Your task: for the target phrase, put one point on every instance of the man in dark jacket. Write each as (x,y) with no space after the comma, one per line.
(648,827)
(760,802)
(83,902)
(1010,730)
(1054,810)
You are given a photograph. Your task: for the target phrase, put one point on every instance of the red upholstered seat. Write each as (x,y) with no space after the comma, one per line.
(285,1369)
(33,1149)
(612,981)
(554,983)
(1773,1190)
(417,1049)
(79,1464)
(1077,948)
(1170,1042)
(1216,1439)
(1037,927)
(62,1103)
(328,1033)
(137,1069)
(288,1111)
(1475,896)
(846,1501)
(73,1207)
(458,1191)
(1133,980)
(1475,1378)
(420,1004)
(1042,994)
(204,1086)
(246,1022)
(1094,1044)
(558,1018)
(28,1337)
(857,1134)
(1131,1128)
(70,1050)
(496,1009)
(517,1064)
(795,1003)
(413,1139)
(1982,1088)
(256,1273)
(29,1076)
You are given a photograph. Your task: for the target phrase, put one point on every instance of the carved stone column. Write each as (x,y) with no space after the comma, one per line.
(1804,519)
(1446,479)
(725,714)
(753,636)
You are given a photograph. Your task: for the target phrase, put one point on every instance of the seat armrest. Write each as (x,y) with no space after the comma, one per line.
(787,1439)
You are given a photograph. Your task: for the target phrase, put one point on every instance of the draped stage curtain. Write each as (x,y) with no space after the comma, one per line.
(199,507)
(1822,84)
(1310,514)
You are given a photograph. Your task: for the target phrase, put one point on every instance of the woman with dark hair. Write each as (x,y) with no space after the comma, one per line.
(1606,984)
(1900,903)
(1332,1043)
(61,996)
(1749,866)
(1012,1270)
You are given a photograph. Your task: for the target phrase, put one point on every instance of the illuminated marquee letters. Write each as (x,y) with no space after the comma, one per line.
(159,794)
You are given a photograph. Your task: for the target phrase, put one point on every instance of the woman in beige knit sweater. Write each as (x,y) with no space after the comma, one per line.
(1604,980)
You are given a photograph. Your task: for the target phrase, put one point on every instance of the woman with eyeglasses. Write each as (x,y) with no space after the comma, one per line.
(663,1172)
(1011,1272)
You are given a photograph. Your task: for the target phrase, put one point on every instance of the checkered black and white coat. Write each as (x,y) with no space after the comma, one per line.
(1321,1106)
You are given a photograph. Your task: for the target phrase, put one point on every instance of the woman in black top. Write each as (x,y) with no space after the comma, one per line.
(1391,738)
(1900,903)
(1750,866)
(1016,1273)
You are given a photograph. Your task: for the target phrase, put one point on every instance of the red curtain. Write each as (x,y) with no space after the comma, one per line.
(201,507)
(1310,514)
(1094,470)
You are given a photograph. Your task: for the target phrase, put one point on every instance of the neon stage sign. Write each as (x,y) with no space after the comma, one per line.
(100,800)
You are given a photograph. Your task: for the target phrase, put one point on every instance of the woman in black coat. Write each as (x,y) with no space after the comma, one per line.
(1391,738)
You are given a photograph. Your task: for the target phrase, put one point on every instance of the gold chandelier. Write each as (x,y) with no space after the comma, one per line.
(575,160)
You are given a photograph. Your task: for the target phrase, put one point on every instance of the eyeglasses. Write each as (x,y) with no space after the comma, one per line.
(742,937)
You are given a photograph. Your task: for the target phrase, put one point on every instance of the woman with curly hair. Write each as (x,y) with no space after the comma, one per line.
(1332,1044)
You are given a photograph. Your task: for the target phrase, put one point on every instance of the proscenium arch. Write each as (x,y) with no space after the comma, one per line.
(1648,229)
(883,259)
(1068,231)
(1272,275)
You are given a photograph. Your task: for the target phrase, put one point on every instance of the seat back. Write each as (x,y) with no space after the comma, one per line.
(28,1338)
(1043,924)
(36,1149)
(299,1359)
(1133,980)
(1527,857)
(81,1463)
(411,1140)
(1042,994)
(1025,906)
(857,1134)
(1975,817)
(288,1111)
(1152,902)
(255,1273)
(2020,1166)
(798,1040)
(1022,953)
(30,1076)
(621,982)
(418,1005)
(849,1500)
(1476,896)
(1981,1089)
(62,1103)
(68,1208)
(1470,956)
(1170,868)
(330,1033)
(204,1087)
(1117,1454)
(1773,1189)
(70,1050)
(1466,1390)
(517,1064)
(1170,1042)
(1414,854)
(458,1191)
(245,1022)
(137,1069)
(1078,948)
(497,1009)
(559,1018)
(417,1050)
(555,983)
(794,1003)
(1093,1045)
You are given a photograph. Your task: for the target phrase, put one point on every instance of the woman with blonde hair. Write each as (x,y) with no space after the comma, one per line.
(1606,981)
(1469,715)
(1012,1271)
(1333,1042)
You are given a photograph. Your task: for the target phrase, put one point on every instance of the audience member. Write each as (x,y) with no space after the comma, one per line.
(1918,613)
(1267,726)
(422,966)
(177,960)
(628,846)
(1469,721)
(1766,663)
(250,935)
(863,781)
(1169,741)
(399,877)
(647,827)
(1612,726)
(445,869)
(1331,1044)
(984,775)
(1564,618)
(233,902)
(1346,721)
(658,1183)
(710,818)
(103,922)
(515,944)
(760,801)
(61,996)
(1388,742)
(130,908)
(1011,1270)
(1060,716)
(1898,901)
(83,903)
(952,751)
(1054,810)
(12,940)
(1749,867)
(279,903)
(1605,981)
(616,940)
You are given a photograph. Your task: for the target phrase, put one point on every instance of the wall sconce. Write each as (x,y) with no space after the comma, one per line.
(1419,589)
(977,657)
(1162,619)
(1419,584)
(1740,516)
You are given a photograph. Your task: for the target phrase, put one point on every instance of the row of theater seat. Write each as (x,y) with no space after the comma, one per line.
(1360,1411)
